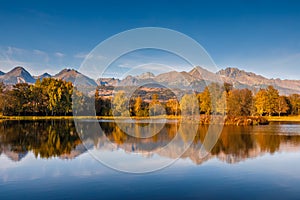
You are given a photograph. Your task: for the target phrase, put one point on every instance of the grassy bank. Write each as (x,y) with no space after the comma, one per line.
(80,117)
(233,120)
(203,119)
(284,119)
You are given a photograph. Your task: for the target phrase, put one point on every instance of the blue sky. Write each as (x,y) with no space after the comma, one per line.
(258,36)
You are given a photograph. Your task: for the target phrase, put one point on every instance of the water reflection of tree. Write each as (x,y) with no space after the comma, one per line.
(46,139)
(233,143)
(118,136)
(239,142)
(269,143)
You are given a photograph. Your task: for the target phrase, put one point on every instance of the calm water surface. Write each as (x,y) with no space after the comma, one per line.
(47,159)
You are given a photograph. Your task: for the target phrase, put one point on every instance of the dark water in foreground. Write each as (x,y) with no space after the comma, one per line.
(47,159)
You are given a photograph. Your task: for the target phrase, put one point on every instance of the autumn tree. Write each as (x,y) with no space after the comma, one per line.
(65,91)
(140,109)
(216,92)
(173,107)
(282,106)
(98,101)
(39,98)
(138,106)
(233,107)
(228,87)
(58,95)
(246,103)
(221,104)
(119,105)
(20,98)
(155,107)
(189,105)
(266,101)
(2,97)
(240,102)
(205,101)
(261,101)
(272,100)
(102,104)
(294,100)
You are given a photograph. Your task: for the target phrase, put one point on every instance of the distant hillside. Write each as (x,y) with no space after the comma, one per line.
(17,75)
(199,77)
(252,80)
(108,81)
(45,75)
(70,75)
(20,75)
(196,79)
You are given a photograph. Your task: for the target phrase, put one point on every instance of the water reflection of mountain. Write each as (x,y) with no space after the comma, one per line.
(13,155)
(235,143)
(47,139)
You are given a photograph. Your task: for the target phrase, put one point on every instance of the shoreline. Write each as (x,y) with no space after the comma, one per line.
(82,117)
(283,119)
(202,120)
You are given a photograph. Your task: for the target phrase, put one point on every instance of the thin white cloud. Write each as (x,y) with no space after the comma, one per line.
(7,65)
(125,65)
(178,66)
(59,54)
(35,61)
(23,55)
(38,52)
(42,54)
(13,50)
(154,68)
(81,55)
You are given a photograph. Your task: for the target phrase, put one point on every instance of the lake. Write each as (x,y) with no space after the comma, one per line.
(60,159)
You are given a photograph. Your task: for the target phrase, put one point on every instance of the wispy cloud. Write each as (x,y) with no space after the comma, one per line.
(137,62)
(155,68)
(38,52)
(59,54)
(81,55)
(13,50)
(153,62)
(35,60)
(8,60)
(6,65)
(41,54)
(23,55)
(126,65)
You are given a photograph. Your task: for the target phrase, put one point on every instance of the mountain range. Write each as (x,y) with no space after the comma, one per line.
(21,75)
(196,79)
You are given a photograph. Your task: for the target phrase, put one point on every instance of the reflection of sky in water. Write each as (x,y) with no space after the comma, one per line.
(279,129)
(84,177)
(255,174)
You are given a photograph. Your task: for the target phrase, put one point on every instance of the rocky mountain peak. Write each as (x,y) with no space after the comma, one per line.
(197,78)
(232,72)
(146,75)
(17,75)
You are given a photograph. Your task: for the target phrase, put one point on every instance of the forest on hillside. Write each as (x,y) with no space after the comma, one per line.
(53,97)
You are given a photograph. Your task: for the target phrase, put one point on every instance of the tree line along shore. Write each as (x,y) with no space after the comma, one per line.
(53,97)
